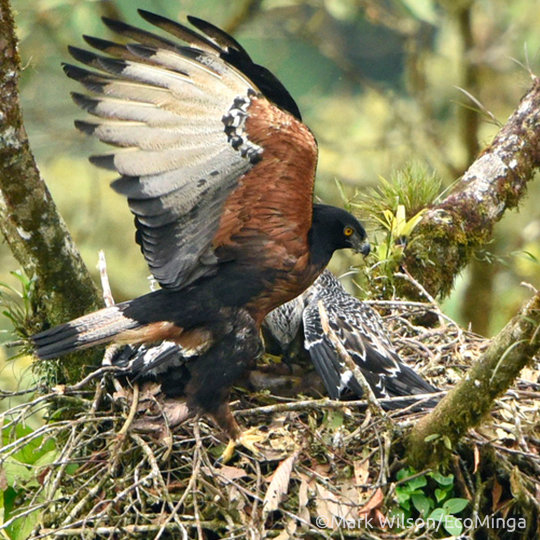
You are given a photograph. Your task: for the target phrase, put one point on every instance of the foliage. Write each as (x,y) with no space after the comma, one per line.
(396,206)
(430,496)
(18,306)
(26,458)
(413,188)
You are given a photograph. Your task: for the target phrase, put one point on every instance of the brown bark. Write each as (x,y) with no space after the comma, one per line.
(466,404)
(29,221)
(443,242)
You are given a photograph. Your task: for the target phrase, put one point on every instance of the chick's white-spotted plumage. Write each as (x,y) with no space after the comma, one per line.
(362,332)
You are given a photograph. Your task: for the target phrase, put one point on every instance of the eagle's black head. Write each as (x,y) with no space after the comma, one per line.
(334,228)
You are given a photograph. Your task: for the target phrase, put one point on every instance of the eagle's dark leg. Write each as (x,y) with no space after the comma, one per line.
(214,372)
(228,424)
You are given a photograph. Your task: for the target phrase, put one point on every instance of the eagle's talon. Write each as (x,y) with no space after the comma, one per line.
(247,439)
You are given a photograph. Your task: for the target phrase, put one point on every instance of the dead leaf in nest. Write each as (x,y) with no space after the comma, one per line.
(379,519)
(361,471)
(303,500)
(331,508)
(225,471)
(476,458)
(505,434)
(289,532)
(322,469)
(361,476)
(529,375)
(496,493)
(278,444)
(373,503)
(279,485)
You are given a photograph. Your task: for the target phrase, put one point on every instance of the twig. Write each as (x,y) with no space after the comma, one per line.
(321,404)
(105,285)
(132,411)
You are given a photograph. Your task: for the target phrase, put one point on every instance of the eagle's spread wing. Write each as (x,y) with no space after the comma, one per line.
(212,154)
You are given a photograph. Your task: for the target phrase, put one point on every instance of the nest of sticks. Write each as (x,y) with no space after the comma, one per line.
(103,478)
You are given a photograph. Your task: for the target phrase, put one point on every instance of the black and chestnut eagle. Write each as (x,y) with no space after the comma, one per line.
(218,170)
(361,331)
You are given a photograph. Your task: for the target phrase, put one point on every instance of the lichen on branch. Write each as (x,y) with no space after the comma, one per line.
(443,242)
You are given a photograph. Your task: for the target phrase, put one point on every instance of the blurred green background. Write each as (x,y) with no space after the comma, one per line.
(377,82)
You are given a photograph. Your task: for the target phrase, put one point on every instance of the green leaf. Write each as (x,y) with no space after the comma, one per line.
(46,459)
(405,473)
(33,449)
(441,494)
(16,472)
(453,526)
(417,483)
(437,515)
(72,468)
(432,437)
(441,479)
(455,506)
(21,528)
(422,504)
(334,419)
(404,501)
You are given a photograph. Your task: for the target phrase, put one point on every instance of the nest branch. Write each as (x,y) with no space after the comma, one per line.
(469,401)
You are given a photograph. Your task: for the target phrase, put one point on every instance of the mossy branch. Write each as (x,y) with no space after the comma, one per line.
(466,404)
(443,242)
(29,221)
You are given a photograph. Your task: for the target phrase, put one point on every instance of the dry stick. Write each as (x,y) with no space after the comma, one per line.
(467,403)
(73,388)
(105,284)
(114,530)
(321,404)
(191,484)
(160,483)
(194,475)
(109,301)
(132,411)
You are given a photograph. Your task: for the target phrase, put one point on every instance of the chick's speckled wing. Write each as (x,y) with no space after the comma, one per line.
(361,331)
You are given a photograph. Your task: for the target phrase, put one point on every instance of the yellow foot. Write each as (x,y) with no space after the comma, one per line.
(247,439)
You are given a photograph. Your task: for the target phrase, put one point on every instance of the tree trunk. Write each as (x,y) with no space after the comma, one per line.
(29,221)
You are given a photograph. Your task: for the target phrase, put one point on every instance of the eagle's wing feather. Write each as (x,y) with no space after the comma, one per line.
(209,163)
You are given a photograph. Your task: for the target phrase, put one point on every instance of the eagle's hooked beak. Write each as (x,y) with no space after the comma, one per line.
(361,245)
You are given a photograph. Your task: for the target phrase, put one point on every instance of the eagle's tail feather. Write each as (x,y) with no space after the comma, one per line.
(86,331)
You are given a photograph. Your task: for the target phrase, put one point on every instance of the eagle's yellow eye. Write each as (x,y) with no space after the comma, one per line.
(348,231)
